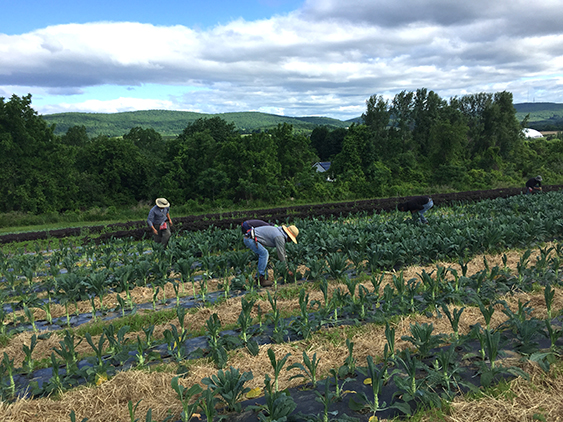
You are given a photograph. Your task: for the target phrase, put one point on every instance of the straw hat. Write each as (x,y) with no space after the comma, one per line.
(162,203)
(292,232)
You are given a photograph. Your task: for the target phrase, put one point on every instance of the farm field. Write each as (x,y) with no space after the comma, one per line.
(382,318)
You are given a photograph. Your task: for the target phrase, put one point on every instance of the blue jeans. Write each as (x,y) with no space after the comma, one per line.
(262,253)
(425,208)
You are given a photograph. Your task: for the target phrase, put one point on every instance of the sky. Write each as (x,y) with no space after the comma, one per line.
(286,57)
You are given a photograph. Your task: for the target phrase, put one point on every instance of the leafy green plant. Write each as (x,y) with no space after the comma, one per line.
(422,338)
(337,264)
(309,368)
(7,377)
(349,367)
(208,403)
(186,397)
(229,385)
(176,343)
(410,388)
(279,404)
(68,352)
(490,342)
(245,317)
(362,401)
(28,362)
(454,319)
(277,365)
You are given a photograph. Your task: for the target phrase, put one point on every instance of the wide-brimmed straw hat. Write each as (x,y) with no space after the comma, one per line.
(162,203)
(292,232)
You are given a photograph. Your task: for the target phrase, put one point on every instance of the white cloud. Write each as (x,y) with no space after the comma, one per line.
(325,59)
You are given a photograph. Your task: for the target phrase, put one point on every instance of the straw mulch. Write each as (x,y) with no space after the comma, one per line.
(539,399)
(108,401)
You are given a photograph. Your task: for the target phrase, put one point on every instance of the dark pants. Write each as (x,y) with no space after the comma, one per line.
(163,236)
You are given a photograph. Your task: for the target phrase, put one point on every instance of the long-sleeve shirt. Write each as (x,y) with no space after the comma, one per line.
(272,237)
(157,216)
(533,182)
(416,204)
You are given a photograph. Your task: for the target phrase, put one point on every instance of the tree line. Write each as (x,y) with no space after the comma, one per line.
(415,143)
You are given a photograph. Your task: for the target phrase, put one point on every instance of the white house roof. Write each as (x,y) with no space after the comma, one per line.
(532,133)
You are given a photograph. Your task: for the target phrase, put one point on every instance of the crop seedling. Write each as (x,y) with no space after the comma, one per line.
(245,318)
(117,342)
(181,315)
(100,366)
(410,388)
(303,325)
(186,397)
(422,338)
(28,351)
(277,365)
(7,371)
(208,403)
(486,311)
(490,343)
(389,349)
(337,264)
(526,329)
(315,268)
(30,317)
(279,404)
(363,402)
(446,373)
(229,385)
(349,367)
(549,294)
(176,343)
(339,391)
(454,319)
(54,384)
(309,369)
(216,349)
(280,328)
(68,352)
(351,284)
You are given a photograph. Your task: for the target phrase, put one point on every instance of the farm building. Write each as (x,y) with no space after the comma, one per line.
(532,133)
(322,167)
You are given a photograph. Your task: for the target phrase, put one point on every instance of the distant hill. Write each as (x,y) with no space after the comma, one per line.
(542,116)
(172,123)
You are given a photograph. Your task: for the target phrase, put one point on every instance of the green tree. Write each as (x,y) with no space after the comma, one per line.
(149,142)
(113,170)
(252,165)
(191,156)
(36,174)
(75,136)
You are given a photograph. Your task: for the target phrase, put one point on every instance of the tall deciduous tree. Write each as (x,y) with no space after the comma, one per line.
(113,172)
(36,174)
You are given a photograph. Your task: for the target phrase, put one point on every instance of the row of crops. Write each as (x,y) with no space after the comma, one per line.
(43,291)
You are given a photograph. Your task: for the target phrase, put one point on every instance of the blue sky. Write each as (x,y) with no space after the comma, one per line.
(23,16)
(295,58)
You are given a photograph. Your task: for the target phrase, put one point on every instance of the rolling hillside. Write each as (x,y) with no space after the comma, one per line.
(542,116)
(172,123)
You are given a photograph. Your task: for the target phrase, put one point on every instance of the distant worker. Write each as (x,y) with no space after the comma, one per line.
(160,222)
(259,238)
(534,185)
(419,204)
(248,225)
